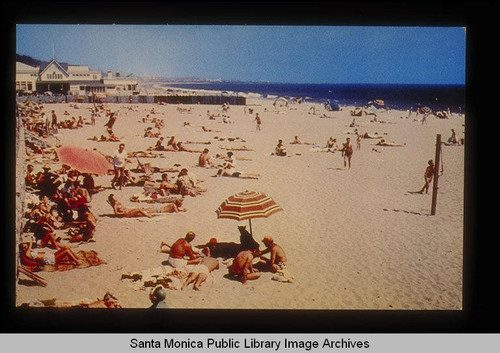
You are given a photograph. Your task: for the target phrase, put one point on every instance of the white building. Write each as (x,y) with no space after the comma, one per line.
(26,77)
(77,80)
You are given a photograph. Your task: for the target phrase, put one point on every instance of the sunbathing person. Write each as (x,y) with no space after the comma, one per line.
(159,145)
(278,256)
(180,249)
(204,159)
(200,273)
(126,212)
(388,144)
(242,268)
(332,145)
(279,150)
(166,187)
(40,257)
(186,184)
(84,231)
(172,143)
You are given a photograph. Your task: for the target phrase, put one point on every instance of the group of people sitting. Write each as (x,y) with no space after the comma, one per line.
(201,261)
(63,203)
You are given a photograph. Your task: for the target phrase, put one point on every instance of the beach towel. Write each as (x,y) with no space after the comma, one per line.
(168,276)
(283,276)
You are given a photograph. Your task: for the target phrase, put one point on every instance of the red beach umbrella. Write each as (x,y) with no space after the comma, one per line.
(247,205)
(84,160)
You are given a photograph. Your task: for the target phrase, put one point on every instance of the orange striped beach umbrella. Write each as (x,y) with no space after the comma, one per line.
(247,205)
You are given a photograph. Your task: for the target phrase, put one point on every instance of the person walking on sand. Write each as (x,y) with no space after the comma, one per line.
(429,173)
(257,119)
(347,152)
(119,161)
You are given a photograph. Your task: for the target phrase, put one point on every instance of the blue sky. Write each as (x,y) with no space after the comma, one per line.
(289,54)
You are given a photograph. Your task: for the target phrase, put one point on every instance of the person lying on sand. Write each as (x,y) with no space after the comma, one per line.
(228,168)
(368,136)
(40,257)
(200,273)
(242,268)
(389,144)
(296,141)
(126,212)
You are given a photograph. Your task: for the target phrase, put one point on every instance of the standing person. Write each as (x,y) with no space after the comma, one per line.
(347,152)
(111,121)
(92,117)
(358,141)
(257,119)
(54,121)
(119,161)
(429,173)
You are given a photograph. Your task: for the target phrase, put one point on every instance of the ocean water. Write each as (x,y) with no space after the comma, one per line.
(396,96)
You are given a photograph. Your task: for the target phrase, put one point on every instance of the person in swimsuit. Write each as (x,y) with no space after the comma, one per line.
(428,175)
(347,152)
(242,268)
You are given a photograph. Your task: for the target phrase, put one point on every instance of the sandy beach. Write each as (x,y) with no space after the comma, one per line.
(355,238)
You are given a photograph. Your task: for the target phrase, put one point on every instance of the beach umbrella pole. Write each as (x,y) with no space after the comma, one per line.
(436,175)
(250,223)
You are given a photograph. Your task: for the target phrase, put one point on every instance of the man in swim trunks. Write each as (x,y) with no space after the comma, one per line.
(199,273)
(347,152)
(428,175)
(242,268)
(181,248)
(278,256)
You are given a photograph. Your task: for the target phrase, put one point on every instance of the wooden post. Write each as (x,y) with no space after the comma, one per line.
(436,174)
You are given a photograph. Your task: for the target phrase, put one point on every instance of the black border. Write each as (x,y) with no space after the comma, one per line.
(481,277)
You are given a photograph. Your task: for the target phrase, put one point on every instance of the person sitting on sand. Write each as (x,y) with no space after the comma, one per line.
(204,159)
(332,145)
(278,256)
(166,187)
(186,183)
(181,248)
(279,150)
(126,212)
(388,144)
(242,268)
(172,143)
(85,230)
(199,273)
(453,137)
(30,178)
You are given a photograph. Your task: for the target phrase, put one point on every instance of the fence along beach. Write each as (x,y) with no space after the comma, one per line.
(355,238)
